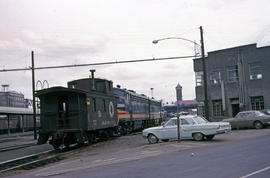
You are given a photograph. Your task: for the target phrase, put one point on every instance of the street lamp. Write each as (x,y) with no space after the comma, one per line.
(203,65)
(179,38)
(152,96)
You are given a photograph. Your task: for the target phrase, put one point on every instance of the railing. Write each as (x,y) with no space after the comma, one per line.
(63,120)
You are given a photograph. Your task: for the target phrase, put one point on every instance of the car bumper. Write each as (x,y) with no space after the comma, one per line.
(223,131)
(144,135)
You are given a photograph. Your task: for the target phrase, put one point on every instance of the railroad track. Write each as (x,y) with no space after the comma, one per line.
(39,159)
(14,147)
(31,161)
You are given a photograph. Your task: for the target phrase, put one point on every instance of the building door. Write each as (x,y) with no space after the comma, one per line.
(235,106)
(235,109)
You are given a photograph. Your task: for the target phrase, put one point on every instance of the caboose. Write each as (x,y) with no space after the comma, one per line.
(84,111)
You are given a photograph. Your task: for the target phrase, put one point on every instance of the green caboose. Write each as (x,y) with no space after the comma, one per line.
(76,114)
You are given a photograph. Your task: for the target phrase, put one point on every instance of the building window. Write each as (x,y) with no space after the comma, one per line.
(257,102)
(215,77)
(217,108)
(255,70)
(199,78)
(232,72)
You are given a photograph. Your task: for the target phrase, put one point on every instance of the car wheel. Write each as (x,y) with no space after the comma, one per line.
(165,140)
(210,137)
(198,136)
(152,139)
(258,125)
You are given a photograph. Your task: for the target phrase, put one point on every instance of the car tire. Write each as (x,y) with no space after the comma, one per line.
(152,139)
(258,125)
(198,136)
(165,140)
(210,137)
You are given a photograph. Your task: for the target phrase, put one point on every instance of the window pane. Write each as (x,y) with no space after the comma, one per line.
(215,77)
(255,71)
(257,102)
(199,76)
(217,108)
(232,72)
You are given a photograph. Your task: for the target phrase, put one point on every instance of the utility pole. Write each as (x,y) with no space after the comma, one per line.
(178,127)
(34,98)
(206,107)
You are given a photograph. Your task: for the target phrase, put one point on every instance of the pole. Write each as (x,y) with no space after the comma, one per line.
(206,107)
(178,127)
(8,124)
(34,98)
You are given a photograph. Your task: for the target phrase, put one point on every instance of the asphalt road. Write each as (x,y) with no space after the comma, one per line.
(239,154)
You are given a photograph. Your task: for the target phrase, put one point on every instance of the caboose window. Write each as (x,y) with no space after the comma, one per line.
(64,107)
(95,104)
(104,105)
(110,86)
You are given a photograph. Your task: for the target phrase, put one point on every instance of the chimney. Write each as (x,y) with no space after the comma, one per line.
(93,79)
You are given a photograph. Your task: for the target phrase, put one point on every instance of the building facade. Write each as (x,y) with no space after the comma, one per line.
(11,98)
(238,79)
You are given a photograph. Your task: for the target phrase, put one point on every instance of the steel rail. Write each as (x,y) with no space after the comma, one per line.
(14,147)
(22,161)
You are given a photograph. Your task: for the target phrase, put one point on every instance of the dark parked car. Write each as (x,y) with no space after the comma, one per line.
(249,119)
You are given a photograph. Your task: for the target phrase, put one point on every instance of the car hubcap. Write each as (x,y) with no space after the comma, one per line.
(153,139)
(258,125)
(198,136)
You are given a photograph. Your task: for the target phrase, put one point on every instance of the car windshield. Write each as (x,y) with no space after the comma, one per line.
(259,113)
(199,120)
(171,122)
(266,112)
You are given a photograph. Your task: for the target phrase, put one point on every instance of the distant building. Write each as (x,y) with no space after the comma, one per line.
(179,96)
(11,98)
(238,79)
(181,105)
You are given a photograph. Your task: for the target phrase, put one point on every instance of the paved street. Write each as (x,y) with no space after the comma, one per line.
(238,154)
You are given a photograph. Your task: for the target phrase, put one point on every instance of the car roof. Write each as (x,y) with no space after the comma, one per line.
(249,111)
(185,116)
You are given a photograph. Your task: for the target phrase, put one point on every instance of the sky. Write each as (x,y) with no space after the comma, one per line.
(67,32)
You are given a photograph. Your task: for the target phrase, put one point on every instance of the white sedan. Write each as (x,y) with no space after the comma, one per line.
(191,127)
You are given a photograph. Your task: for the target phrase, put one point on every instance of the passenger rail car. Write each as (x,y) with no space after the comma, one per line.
(72,115)
(136,111)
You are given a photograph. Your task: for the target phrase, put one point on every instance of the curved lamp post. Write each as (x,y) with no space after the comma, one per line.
(179,38)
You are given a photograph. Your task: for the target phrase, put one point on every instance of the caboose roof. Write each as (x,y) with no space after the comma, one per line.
(58,89)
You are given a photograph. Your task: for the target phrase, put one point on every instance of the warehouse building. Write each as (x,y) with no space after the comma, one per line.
(238,79)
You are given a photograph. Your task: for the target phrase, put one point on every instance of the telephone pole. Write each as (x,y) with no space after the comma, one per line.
(34,97)
(206,107)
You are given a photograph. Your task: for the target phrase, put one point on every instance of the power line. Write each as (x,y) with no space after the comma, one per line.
(97,64)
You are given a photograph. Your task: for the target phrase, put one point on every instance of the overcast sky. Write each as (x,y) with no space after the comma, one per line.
(63,32)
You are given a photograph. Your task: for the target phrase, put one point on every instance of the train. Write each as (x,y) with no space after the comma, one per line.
(90,109)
